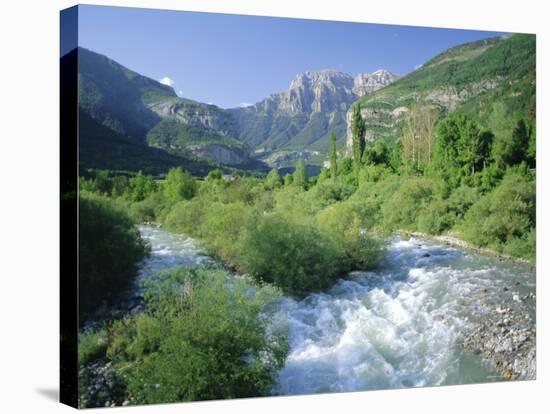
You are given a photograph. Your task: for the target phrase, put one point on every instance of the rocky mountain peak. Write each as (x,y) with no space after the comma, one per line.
(325,77)
(365,83)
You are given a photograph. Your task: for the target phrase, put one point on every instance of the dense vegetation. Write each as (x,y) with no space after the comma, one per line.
(110,248)
(447,175)
(202,336)
(470,78)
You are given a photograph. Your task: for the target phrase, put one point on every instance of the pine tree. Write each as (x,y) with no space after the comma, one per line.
(332,156)
(358,136)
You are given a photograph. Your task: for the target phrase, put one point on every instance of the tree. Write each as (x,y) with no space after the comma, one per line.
(520,143)
(332,155)
(532,148)
(110,248)
(179,185)
(501,123)
(300,177)
(474,147)
(358,135)
(120,184)
(288,179)
(215,174)
(461,149)
(273,180)
(377,153)
(419,134)
(323,175)
(140,187)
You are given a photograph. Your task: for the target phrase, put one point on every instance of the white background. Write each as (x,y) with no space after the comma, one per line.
(29,237)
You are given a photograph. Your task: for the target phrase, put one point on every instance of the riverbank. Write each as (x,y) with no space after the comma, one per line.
(450,240)
(504,336)
(506,340)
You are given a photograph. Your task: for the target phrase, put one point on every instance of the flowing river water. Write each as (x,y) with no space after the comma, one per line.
(394,327)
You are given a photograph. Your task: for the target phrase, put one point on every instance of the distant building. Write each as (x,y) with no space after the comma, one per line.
(228,177)
(326,164)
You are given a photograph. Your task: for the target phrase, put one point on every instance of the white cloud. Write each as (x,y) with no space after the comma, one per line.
(245,104)
(180,93)
(418,66)
(167,81)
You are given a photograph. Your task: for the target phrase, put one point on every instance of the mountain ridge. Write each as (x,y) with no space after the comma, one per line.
(468,78)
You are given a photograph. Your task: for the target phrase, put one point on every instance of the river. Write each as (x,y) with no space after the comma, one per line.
(394,327)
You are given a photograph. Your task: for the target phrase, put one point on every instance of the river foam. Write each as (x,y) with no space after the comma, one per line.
(396,327)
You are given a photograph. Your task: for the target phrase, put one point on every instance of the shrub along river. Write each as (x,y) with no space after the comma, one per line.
(430,314)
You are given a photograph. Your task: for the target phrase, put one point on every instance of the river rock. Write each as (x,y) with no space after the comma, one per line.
(505,337)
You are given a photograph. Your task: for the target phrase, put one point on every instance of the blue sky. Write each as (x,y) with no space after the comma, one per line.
(229,60)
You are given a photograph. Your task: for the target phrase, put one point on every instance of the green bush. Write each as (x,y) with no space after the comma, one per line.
(461,200)
(139,187)
(153,208)
(524,246)
(344,225)
(294,256)
(110,248)
(203,338)
(222,226)
(331,191)
(505,216)
(92,346)
(435,217)
(401,210)
(186,216)
(179,185)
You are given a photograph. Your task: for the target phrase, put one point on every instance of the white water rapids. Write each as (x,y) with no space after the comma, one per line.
(391,328)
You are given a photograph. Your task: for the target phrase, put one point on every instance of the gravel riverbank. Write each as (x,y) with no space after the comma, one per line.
(505,337)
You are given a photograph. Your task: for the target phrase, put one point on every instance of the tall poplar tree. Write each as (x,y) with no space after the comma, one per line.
(300,177)
(358,135)
(332,156)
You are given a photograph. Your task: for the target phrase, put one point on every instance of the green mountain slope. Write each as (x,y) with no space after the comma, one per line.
(102,148)
(116,97)
(146,112)
(469,78)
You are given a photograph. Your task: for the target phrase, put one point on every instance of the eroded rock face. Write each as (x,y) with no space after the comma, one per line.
(365,83)
(373,117)
(219,153)
(197,114)
(315,103)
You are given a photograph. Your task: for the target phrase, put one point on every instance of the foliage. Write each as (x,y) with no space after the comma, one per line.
(300,177)
(140,187)
(418,136)
(215,174)
(179,185)
(461,148)
(358,135)
(204,335)
(222,227)
(273,180)
(505,216)
(344,224)
(294,256)
(288,179)
(332,155)
(110,248)
(401,210)
(196,344)
(91,346)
